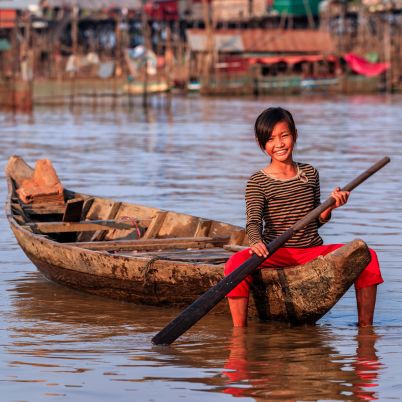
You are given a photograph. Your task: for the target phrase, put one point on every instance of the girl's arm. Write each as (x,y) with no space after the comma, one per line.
(260,249)
(317,200)
(255,201)
(341,198)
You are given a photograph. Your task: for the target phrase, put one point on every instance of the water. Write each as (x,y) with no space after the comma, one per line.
(57,344)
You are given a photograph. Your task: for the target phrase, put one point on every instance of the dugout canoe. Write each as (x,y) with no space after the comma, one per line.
(164,258)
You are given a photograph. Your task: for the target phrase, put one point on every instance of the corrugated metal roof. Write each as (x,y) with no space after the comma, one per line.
(289,41)
(17,4)
(96,4)
(222,42)
(265,41)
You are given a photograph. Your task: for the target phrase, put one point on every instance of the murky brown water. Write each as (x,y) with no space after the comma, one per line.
(57,344)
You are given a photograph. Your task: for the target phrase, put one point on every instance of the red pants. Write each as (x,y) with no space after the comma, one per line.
(286,257)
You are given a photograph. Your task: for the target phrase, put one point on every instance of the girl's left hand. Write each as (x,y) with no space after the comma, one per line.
(341,197)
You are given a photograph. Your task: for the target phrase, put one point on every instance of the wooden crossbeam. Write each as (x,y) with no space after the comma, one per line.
(153,244)
(203,227)
(155,225)
(85,226)
(210,254)
(45,209)
(234,247)
(100,234)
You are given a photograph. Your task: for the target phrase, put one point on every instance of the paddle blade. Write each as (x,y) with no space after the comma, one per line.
(195,311)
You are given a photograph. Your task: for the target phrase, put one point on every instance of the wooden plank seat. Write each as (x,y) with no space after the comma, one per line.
(234,247)
(44,209)
(213,255)
(153,244)
(71,210)
(17,208)
(83,226)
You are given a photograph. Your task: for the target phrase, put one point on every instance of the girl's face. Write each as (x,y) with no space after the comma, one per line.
(281,143)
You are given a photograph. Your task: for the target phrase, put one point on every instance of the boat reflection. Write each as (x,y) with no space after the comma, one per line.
(301,364)
(264,361)
(38,301)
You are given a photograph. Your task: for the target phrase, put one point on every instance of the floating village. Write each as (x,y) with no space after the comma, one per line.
(92,51)
(156,154)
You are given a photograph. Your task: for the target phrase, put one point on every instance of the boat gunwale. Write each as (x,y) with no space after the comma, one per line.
(74,247)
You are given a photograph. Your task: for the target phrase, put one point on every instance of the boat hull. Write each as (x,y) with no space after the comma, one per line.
(297,295)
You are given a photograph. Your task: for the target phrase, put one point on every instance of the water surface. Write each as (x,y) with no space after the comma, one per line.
(195,157)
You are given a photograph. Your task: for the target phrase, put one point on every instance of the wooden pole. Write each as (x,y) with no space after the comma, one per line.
(74,39)
(310,18)
(117,67)
(209,50)
(126,45)
(16,66)
(213,296)
(24,99)
(397,52)
(388,54)
(169,61)
(145,35)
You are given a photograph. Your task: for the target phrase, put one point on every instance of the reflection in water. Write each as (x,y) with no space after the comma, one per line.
(265,360)
(38,301)
(300,364)
(367,365)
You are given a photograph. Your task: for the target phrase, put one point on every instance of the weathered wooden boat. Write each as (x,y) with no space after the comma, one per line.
(152,87)
(164,258)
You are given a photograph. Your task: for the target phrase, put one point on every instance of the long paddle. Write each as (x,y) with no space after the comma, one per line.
(195,311)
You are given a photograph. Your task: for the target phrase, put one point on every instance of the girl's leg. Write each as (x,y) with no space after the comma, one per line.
(365,298)
(238,297)
(238,309)
(366,291)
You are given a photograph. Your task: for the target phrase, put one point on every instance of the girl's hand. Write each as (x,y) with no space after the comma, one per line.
(260,249)
(341,197)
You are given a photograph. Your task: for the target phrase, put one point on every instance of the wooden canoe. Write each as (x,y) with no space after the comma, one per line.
(164,258)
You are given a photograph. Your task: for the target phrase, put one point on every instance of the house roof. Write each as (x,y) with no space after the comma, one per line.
(264,41)
(223,42)
(17,4)
(96,4)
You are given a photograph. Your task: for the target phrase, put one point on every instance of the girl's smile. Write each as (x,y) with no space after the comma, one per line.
(280,144)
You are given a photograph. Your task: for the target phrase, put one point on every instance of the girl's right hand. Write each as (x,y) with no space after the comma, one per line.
(260,249)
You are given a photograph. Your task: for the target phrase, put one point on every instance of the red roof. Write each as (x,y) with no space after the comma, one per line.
(7,18)
(287,41)
(272,40)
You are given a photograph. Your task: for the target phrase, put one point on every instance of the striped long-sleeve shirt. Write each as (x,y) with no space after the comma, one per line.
(274,205)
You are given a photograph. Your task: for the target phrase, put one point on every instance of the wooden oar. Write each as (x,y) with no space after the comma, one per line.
(213,296)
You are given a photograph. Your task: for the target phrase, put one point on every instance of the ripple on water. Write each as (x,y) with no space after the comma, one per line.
(60,344)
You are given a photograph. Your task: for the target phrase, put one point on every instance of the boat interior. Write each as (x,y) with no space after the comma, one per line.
(122,228)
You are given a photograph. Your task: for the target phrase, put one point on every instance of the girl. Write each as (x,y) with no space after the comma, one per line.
(278,196)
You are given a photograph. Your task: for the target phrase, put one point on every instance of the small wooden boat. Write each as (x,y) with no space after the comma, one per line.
(137,87)
(163,258)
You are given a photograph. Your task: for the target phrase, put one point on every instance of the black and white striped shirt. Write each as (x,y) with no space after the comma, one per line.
(274,205)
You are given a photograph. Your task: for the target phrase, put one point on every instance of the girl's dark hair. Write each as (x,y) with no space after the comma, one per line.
(267,120)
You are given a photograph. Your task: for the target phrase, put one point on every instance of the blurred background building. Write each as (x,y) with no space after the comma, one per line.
(215,46)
